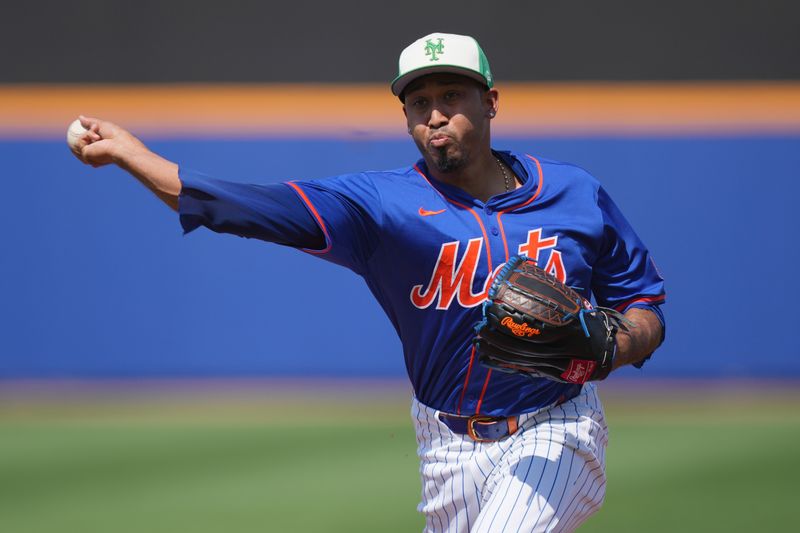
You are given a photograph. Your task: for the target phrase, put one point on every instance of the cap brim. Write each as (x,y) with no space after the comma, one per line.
(401,82)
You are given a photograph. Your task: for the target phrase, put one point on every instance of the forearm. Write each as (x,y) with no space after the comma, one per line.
(639,341)
(154,172)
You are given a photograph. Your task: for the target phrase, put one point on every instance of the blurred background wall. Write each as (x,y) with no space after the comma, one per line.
(356,41)
(688,112)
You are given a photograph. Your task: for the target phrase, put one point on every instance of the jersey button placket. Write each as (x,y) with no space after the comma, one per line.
(488,212)
(493,232)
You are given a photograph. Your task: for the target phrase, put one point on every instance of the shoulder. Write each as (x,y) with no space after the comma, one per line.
(559,176)
(368,182)
(373,191)
(395,177)
(566,171)
(368,178)
(401,184)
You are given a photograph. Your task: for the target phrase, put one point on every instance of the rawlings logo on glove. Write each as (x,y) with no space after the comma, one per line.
(520,330)
(535,325)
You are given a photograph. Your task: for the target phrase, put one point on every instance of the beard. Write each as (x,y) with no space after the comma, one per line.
(447,159)
(446,162)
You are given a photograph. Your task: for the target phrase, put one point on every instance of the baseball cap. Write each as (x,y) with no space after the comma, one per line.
(442,52)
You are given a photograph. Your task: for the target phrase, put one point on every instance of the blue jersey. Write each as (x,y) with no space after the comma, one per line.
(428,250)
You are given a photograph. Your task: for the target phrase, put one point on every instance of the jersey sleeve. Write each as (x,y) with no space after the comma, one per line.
(625,274)
(348,211)
(267,212)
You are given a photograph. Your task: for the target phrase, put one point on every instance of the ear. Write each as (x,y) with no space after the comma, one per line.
(405,113)
(491,101)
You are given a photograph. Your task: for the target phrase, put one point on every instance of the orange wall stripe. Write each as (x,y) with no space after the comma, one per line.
(369,110)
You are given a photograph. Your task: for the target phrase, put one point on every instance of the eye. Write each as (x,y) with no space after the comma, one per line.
(451,95)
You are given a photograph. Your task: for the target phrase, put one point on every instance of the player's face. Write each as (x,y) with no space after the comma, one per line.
(448,117)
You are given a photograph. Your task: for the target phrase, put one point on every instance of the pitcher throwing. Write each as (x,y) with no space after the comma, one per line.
(500,451)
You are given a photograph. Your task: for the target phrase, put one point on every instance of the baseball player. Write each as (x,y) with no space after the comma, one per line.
(498,451)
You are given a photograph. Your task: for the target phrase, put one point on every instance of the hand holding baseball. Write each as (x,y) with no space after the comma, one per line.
(98,142)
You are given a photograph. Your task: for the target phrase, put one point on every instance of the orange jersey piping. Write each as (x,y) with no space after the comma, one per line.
(317,217)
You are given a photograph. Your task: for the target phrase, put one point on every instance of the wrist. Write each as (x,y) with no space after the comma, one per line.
(623,342)
(126,154)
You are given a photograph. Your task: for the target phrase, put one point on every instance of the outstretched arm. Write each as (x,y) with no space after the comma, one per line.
(272,212)
(106,143)
(640,341)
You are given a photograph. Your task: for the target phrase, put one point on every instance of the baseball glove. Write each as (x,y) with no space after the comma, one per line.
(535,325)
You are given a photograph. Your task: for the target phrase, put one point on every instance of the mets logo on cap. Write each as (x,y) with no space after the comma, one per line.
(433,49)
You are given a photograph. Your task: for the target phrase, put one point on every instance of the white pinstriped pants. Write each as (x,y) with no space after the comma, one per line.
(548,476)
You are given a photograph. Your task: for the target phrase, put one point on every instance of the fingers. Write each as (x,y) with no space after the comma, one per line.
(97,153)
(88,138)
(78,144)
(102,140)
(103,128)
(89,123)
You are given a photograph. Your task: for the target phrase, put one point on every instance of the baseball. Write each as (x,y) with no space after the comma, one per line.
(74,134)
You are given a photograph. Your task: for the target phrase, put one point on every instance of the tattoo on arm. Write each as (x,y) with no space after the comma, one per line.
(640,341)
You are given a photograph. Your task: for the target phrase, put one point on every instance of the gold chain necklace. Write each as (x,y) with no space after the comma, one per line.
(505,176)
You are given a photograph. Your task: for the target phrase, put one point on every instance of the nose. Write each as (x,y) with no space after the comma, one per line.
(437,118)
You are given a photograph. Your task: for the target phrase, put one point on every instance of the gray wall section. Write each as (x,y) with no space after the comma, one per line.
(356,41)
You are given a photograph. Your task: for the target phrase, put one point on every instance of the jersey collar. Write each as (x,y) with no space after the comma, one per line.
(522,166)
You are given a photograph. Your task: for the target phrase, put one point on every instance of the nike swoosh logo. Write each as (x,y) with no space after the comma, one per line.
(426,213)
